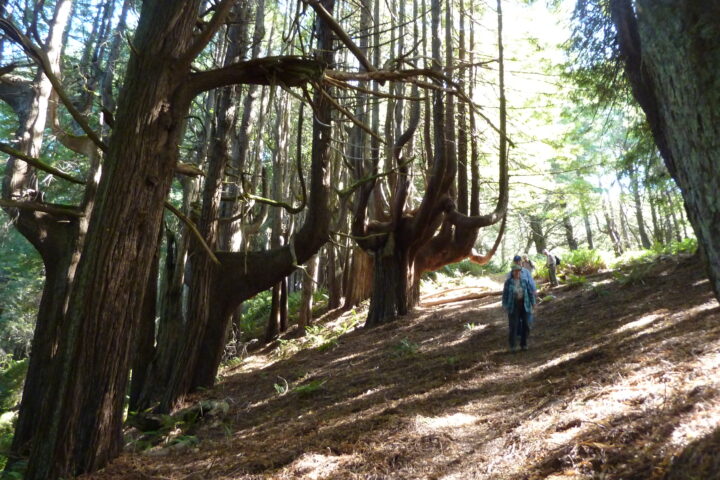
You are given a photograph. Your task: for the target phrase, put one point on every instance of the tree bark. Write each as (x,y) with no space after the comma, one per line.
(82,423)
(537,233)
(671,60)
(242,275)
(144,348)
(639,217)
(308,289)
(360,278)
(55,237)
(390,296)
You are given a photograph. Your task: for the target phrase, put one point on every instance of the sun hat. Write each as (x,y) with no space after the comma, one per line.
(516,267)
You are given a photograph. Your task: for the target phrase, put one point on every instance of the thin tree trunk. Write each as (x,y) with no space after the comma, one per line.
(145,336)
(308,289)
(537,233)
(639,217)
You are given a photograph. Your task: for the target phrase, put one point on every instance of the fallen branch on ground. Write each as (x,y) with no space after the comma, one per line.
(472,296)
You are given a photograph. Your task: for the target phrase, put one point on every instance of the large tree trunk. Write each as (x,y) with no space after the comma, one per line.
(56,237)
(359,279)
(82,423)
(672,60)
(390,296)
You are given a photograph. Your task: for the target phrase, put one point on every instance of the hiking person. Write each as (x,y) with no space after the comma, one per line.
(551,267)
(525,272)
(527,264)
(518,300)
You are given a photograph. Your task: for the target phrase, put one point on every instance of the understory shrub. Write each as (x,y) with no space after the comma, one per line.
(257,309)
(633,275)
(582,262)
(633,258)
(12,377)
(319,336)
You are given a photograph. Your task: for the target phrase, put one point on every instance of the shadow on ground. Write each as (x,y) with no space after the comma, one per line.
(619,383)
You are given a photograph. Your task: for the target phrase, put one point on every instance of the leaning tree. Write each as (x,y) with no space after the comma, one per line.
(670,56)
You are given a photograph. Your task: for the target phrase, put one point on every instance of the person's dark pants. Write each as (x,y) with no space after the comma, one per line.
(518,325)
(552,275)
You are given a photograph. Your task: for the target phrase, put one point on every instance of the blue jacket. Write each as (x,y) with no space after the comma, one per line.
(508,299)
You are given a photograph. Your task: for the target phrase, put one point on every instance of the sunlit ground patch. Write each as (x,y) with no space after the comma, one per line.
(447,422)
(314,466)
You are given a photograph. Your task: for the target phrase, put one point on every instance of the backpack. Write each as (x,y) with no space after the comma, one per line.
(557,260)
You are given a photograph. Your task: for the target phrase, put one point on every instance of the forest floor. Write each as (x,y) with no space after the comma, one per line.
(621,381)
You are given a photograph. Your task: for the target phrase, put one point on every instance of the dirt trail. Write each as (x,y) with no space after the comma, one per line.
(620,382)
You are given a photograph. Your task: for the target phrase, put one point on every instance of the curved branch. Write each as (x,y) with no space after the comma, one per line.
(464,221)
(39,164)
(41,58)
(221,11)
(352,118)
(59,210)
(290,70)
(81,144)
(403,183)
(347,191)
(342,35)
(409,76)
(194,231)
(484,259)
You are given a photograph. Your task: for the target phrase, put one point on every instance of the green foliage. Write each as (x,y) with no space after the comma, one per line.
(582,262)
(309,388)
(455,274)
(257,309)
(574,281)
(547,298)
(21,282)
(599,290)
(634,275)
(303,390)
(168,429)
(541,271)
(405,348)
(12,376)
(184,440)
(319,336)
(452,361)
(7,428)
(635,258)
(470,326)
(255,314)
(688,246)
(281,388)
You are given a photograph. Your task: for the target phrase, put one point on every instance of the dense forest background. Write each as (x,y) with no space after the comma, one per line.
(184,180)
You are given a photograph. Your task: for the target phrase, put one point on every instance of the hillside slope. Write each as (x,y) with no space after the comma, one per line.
(621,381)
